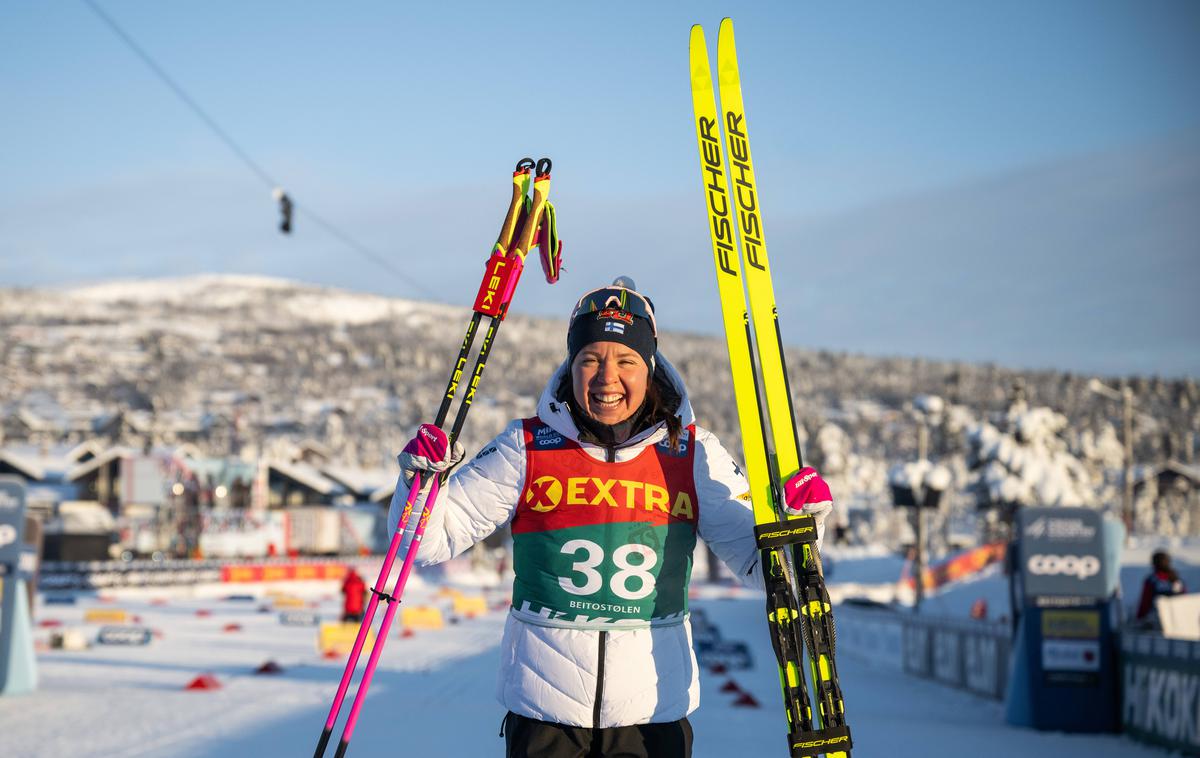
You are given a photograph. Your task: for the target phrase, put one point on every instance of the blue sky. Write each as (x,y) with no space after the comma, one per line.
(1014,182)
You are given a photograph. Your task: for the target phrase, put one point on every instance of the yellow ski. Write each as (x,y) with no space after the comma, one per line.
(797,604)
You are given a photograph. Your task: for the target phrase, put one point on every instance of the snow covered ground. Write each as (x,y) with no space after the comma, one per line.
(433,693)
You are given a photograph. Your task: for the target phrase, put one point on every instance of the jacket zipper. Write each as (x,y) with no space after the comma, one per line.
(610,455)
(599,682)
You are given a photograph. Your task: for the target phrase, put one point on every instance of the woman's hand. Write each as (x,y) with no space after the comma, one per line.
(429,452)
(807,494)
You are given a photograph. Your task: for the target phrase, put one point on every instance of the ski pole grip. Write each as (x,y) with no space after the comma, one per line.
(543,166)
(496,287)
(799,530)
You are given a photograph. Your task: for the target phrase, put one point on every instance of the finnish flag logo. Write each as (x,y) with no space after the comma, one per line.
(615,326)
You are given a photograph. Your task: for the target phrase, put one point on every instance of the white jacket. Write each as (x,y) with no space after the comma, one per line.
(649,675)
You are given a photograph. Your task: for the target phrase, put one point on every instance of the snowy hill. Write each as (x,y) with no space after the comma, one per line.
(268,362)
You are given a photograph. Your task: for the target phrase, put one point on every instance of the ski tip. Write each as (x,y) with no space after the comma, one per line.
(725,33)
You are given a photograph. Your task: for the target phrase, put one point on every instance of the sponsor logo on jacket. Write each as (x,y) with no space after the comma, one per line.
(546,493)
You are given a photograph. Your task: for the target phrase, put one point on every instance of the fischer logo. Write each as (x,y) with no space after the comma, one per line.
(1079,566)
(743,189)
(785,532)
(822,742)
(718,202)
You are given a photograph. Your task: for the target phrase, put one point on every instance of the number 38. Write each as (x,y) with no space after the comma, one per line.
(619,584)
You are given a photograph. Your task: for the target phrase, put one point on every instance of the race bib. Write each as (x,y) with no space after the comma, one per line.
(601,544)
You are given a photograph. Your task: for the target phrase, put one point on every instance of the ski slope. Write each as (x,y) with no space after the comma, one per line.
(433,693)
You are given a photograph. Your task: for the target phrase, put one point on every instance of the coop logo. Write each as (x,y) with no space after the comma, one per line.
(1079,566)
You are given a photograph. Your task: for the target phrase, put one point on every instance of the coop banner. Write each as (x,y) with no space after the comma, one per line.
(1062,553)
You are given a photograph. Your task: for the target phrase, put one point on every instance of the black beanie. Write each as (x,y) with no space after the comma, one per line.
(612,324)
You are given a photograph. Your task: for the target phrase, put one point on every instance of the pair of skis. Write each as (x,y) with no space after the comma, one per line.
(798,609)
(530,221)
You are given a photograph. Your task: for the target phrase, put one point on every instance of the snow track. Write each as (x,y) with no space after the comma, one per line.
(434,695)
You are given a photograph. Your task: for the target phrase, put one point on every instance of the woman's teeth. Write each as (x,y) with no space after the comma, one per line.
(607,399)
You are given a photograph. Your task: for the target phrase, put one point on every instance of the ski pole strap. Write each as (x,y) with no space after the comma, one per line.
(802,529)
(549,245)
(384,596)
(834,739)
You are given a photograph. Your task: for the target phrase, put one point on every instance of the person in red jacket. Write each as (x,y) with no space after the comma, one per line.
(1163,581)
(353,590)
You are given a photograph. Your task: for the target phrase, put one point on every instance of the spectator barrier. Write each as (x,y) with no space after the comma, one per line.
(966,654)
(1160,696)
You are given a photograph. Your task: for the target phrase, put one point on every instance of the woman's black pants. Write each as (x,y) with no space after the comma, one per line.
(529,738)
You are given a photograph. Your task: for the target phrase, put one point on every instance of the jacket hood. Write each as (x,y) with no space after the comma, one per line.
(557,414)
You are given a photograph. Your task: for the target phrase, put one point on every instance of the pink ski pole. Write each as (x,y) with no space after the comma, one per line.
(368,616)
(388,615)
(500,279)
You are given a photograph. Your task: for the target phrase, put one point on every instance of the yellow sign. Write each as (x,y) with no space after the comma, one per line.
(338,637)
(275,573)
(241,574)
(1071,624)
(288,601)
(421,617)
(104,616)
(470,605)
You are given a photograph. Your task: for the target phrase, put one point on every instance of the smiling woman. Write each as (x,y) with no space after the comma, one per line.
(607,490)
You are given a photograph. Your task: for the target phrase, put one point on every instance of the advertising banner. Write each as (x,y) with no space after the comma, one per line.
(1062,552)
(970,655)
(1160,693)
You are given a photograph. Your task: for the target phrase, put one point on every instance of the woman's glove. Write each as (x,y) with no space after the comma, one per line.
(429,452)
(807,494)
